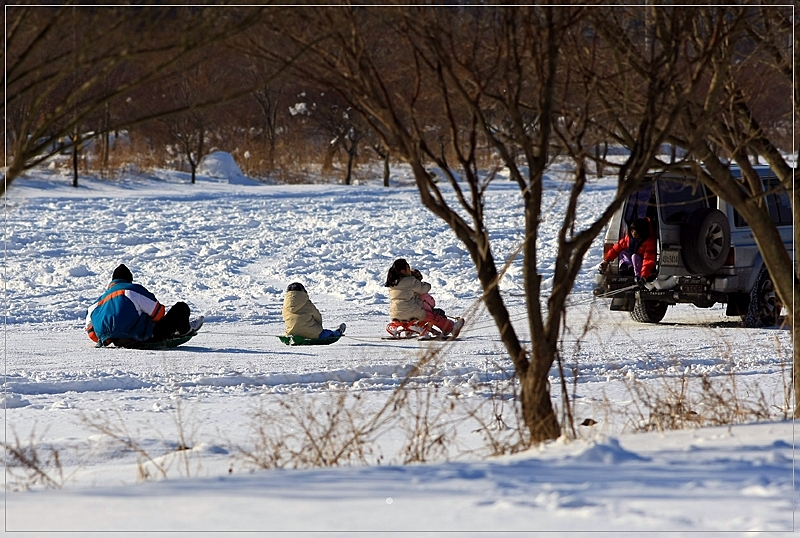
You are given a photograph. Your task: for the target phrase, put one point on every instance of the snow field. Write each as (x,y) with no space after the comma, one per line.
(229,249)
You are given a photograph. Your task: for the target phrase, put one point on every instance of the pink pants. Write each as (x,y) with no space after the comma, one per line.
(431,317)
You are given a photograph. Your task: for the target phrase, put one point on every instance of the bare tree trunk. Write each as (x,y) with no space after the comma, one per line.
(537,406)
(106,153)
(271,152)
(106,138)
(75,151)
(386,169)
(200,153)
(352,150)
(781,267)
(348,177)
(600,158)
(384,155)
(794,307)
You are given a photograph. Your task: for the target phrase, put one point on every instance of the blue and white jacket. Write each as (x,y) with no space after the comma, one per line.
(125,310)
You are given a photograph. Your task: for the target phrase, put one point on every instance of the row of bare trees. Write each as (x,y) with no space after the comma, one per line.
(71,70)
(469,89)
(168,78)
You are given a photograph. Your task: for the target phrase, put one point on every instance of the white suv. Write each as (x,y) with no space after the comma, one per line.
(706,251)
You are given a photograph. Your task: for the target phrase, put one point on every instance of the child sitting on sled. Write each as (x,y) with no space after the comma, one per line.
(301,316)
(410,300)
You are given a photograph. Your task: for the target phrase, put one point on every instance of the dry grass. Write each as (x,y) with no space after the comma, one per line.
(173,453)
(499,416)
(684,401)
(428,428)
(28,465)
(296,160)
(304,432)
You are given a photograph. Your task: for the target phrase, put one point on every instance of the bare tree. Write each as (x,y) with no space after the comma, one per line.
(193,128)
(351,141)
(48,48)
(743,108)
(749,114)
(478,78)
(269,97)
(385,154)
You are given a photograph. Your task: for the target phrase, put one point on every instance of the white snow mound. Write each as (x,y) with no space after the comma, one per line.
(222,165)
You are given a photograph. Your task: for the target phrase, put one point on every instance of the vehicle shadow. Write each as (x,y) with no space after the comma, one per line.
(727,324)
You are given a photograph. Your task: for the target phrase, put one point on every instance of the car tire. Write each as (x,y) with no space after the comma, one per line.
(705,241)
(765,306)
(649,311)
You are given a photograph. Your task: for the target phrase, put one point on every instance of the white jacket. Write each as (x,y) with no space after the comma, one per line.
(405,302)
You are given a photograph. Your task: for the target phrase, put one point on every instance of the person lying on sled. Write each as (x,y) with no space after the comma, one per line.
(410,300)
(301,316)
(127,314)
(636,252)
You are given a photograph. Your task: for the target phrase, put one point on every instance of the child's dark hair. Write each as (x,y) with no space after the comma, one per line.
(642,226)
(396,272)
(295,286)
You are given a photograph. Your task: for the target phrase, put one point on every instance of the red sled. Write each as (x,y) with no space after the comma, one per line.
(412,329)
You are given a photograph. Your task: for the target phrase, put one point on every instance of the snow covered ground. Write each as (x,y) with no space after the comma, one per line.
(229,248)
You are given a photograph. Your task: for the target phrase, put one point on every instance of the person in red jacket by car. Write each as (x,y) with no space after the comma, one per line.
(636,251)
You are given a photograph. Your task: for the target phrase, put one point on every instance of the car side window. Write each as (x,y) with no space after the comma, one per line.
(784,209)
(780,210)
(778,205)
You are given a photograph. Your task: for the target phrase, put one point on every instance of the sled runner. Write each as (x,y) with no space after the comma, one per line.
(175,341)
(293,340)
(399,330)
(171,342)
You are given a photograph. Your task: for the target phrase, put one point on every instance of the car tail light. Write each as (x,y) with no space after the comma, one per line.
(731,259)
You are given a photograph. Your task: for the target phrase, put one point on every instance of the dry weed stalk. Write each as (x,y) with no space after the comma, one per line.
(787,405)
(429,430)
(568,398)
(184,443)
(118,432)
(28,468)
(499,416)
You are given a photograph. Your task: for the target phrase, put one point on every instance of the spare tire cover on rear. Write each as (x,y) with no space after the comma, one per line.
(705,241)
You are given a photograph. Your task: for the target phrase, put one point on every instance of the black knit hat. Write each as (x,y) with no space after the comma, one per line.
(122,273)
(295,286)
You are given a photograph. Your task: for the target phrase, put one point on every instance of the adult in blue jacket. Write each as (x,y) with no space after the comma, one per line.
(128,313)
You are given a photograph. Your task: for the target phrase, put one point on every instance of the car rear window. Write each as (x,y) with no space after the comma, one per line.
(638,202)
(679,199)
